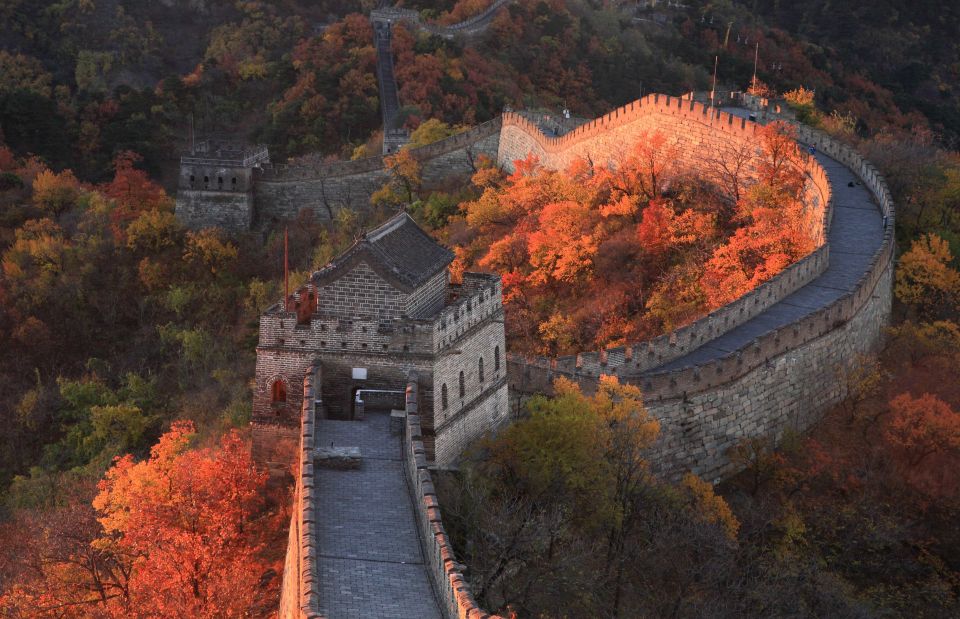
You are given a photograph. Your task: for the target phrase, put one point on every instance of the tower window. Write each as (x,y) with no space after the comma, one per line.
(496,358)
(278,391)
(480,368)
(463,386)
(443,396)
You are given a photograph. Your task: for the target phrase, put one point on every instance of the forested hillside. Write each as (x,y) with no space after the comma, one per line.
(123,333)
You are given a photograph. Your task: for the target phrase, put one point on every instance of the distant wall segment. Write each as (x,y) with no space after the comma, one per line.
(267,193)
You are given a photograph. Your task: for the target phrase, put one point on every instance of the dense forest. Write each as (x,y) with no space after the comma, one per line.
(128,341)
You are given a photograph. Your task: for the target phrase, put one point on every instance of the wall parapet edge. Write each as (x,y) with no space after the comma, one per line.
(300,590)
(681,382)
(453,592)
(284,172)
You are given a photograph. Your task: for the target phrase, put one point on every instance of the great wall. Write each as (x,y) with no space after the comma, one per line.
(767,363)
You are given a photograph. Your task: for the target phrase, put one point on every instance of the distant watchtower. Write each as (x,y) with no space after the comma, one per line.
(216,184)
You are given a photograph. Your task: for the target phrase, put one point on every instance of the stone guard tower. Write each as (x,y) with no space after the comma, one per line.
(381,309)
(216,184)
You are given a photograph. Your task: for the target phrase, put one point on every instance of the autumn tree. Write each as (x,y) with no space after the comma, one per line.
(405,180)
(430,131)
(569,492)
(187,521)
(925,280)
(55,193)
(133,191)
(775,229)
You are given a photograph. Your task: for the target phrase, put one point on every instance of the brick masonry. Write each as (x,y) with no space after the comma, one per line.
(706,398)
(362,323)
(784,376)
(270,193)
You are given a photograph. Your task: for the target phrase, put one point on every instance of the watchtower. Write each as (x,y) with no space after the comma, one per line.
(382,309)
(216,184)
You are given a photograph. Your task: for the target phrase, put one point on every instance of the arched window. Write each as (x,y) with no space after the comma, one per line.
(496,358)
(443,396)
(463,386)
(278,391)
(480,368)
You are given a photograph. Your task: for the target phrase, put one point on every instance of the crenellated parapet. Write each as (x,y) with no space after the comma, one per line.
(299,593)
(708,382)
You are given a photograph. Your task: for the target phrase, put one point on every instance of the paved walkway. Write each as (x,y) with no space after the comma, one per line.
(370,563)
(856,233)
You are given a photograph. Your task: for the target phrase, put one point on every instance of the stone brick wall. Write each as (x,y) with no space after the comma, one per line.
(388,349)
(466,332)
(280,192)
(229,210)
(428,299)
(453,592)
(215,195)
(299,592)
(362,292)
(783,380)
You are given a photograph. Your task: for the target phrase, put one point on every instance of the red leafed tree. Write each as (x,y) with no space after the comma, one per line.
(922,427)
(133,191)
(653,232)
(188,521)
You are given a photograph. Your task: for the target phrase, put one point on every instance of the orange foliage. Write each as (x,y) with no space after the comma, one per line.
(599,255)
(133,191)
(186,519)
(922,427)
(775,230)
(55,193)
(177,535)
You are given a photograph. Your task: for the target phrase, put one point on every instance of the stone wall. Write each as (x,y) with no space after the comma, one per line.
(453,592)
(783,380)
(230,210)
(362,292)
(426,301)
(299,593)
(280,192)
(215,194)
(467,332)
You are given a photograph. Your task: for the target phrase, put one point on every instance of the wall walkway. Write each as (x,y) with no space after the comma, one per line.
(369,562)
(854,237)
(769,362)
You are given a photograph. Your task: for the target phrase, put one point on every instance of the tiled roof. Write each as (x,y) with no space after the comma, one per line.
(399,250)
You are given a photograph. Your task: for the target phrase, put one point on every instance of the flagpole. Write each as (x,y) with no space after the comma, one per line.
(286,270)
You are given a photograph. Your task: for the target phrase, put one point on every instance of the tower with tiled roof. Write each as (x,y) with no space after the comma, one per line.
(382,309)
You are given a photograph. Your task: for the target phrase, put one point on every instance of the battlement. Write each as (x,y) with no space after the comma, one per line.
(479,299)
(815,350)
(226,153)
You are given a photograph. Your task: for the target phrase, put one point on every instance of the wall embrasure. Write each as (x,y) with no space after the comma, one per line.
(784,379)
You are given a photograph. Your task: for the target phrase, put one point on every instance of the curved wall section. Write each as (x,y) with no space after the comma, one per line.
(697,136)
(783,378)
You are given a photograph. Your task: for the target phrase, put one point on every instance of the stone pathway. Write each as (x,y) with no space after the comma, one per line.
(855,235)
(369,562)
